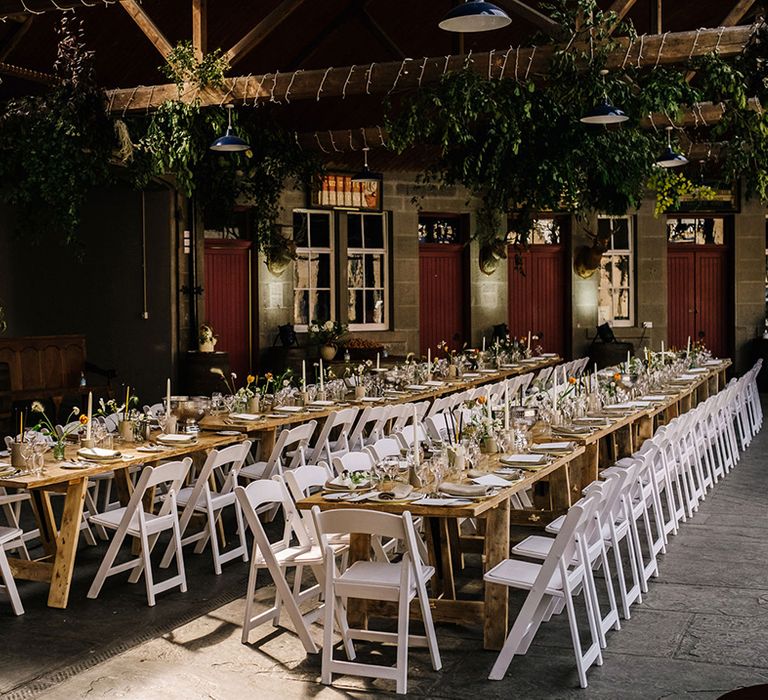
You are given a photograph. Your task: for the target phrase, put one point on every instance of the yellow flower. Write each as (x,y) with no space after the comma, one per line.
(250,379)
(571,380)
(83,419)
(617,377)
(268,376)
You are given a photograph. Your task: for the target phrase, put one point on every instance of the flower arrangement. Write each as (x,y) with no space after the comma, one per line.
(244,393)
(228,382)
(110,407)
(282,382)
(206,338)
(361,369)
(46,427)
(328,333)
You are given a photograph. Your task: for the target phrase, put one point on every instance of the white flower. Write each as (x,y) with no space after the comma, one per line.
(328,325)
(286,382)
(38,407)
(75,411)
(368,363)
(234,376)
(213,370)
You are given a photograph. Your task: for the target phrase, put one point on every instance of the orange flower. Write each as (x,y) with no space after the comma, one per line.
(481,400)
(571,380)
(268,376)
(83,419)
(617,377)
(250,379)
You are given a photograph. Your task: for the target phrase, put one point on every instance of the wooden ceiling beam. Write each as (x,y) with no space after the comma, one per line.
(8,48)
(383,78)
(200,28)
(380,34)
(262,30)
(345,140)
(532,15)
(621,8)
(147,26)
(34,76)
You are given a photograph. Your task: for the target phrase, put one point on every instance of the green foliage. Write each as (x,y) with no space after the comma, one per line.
(671,187)
(183,67)
(55,147)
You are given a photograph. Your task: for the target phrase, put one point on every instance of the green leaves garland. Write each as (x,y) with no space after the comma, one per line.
(519,145)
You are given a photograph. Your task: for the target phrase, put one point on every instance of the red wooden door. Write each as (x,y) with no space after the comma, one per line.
(536,296)
(443,305)
(228,299)
(699,299)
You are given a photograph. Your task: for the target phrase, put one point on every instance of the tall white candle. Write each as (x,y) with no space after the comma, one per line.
(429,357)
(304,375)
(529,340)
(595,376)
(90,416)
(662,351)
(168,396)
(322,386)
(416,454)
(483,343)
(688,350)
(506,406)
(378,360)
(627,361)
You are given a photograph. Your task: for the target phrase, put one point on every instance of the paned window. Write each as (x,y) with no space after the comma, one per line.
(313,284)
(616,293)
(367,271)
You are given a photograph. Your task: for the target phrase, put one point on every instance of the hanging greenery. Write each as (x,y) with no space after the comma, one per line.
(55,147)
(519,145)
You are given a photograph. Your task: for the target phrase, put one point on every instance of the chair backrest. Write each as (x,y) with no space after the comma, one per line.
(264,493)
(295,439)
(353,462)
(409,433)
(334,434)
(306,478)
(111,421)
(544,374)
(369,426)
(170,473)
(384,447)
(225,465)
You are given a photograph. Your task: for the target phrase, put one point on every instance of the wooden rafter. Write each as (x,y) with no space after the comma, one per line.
(539,19)
(200,27)
(382,35)
(262,30)
(147,26)
(35,76)
(621,8)
(383,78)
(8,48)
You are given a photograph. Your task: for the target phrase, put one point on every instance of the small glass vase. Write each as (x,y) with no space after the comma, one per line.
(58,451)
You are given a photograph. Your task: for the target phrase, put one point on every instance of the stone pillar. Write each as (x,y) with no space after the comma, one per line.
(650,276)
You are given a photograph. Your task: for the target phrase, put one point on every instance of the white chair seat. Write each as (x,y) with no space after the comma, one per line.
(254,471)
(112,518)
(218,500)
(299,556)
(522,574)
(378,575)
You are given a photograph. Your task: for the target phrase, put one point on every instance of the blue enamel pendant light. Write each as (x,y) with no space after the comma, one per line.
(230,142)
(670,158)
(605,112)
(366,174)
(474,16)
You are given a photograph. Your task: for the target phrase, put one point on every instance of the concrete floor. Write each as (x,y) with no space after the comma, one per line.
(700,632)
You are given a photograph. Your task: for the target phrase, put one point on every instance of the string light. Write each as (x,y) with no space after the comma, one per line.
(661,48)
(530,62)
(368,82)
(504,65)
(322,82)
(346,82)
(640,50)
(629,48)
(317,138)
(695,41)
(290,85)
(490,63)
(423,68)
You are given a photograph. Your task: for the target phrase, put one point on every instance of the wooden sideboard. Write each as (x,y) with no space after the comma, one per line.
(48,367)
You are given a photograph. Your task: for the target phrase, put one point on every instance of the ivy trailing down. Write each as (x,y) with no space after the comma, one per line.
(519,145)
(55,147)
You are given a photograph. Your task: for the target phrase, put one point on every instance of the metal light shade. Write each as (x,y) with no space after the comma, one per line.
(671,159)
(229,142)
(475,16)
(366,175)
(604,113)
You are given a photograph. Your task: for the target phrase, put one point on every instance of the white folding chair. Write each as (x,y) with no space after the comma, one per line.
(560,576)
(294,440)
(221,467)
(398,582)
(9,536)
(278,556)
(369,427)
(353,462)
(133,521)
(334,436)
(384,447)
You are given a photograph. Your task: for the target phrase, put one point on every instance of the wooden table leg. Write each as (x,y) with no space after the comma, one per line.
(644,430)
(584,469)
(123,485)
(267,439)
(449,585)
(624,447)
(46,524)
(496,608)
(359,550)
(560,489)
(66,544)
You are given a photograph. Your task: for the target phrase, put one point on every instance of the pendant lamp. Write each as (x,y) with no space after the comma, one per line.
(474,16)
(366,174)
(605,112)
(670,158)
(230,142)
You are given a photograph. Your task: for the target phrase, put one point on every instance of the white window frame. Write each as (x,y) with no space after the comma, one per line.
(367,251)
(612,252)
(301,327)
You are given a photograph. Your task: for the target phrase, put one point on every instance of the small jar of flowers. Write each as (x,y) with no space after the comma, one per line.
(327,336)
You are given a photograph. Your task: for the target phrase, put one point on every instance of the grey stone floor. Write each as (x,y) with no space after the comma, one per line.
(702,630)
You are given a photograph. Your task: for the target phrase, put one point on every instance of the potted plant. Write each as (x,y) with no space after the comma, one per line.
(327,336)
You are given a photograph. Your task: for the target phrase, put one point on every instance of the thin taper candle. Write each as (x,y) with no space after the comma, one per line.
(127,396)
(378,360)
(90,416)
(322,385)
(168,397)
(416,454)
(303,375)
(506,406)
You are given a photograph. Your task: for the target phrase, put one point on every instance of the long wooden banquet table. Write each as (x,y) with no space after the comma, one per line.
(60,539)
(566,476)
(265,429)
